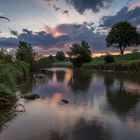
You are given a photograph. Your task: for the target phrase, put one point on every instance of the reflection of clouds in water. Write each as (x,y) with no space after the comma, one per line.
(89,108)
(43,117)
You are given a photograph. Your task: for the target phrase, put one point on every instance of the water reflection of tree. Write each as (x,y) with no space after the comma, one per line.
(90,130)
(27,86)
(80,80)
(82,130)
(60,76)
(57,136)
(121,99)
(49,74)
(108,80)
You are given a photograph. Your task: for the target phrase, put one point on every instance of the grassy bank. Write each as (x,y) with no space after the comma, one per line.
(12,74)
(127,62)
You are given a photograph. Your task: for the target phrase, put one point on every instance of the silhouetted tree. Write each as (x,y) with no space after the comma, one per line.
(123,35)
(25,53)
(80,53)
(60,56)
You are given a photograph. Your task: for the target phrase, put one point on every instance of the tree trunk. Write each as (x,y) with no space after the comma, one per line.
(122,50)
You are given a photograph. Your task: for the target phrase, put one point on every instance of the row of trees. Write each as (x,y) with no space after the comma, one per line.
(78,54)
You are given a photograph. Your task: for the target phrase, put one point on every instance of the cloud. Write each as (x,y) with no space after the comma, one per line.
(56,8)
(42,38)
(81,5)
(95,5)
(59,38)
(66,12)
(13,32)
(130,13)
(54,4)
(77,32)
(132,7)
(8,42)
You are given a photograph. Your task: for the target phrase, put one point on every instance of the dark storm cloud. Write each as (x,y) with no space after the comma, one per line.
(71,33)
(95,5)
(13,32)
(131,15)
(8,42)
(42,38)
(78,32)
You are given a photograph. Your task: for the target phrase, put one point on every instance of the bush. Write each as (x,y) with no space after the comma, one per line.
(60,56)
(109,59)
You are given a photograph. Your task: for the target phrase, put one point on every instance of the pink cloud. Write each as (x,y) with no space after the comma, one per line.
(132,7)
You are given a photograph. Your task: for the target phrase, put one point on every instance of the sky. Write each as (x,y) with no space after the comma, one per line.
(54,25)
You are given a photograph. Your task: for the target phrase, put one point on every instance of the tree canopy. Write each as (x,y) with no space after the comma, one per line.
(60,56)
(80,53)
(25,53)
(122,35)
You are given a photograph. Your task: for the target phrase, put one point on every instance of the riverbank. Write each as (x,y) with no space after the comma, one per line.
(128,62)
(12,75)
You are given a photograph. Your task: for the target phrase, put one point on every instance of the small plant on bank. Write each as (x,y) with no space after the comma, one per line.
(109,59)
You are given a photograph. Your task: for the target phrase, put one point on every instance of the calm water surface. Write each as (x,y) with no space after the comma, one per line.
(102,106)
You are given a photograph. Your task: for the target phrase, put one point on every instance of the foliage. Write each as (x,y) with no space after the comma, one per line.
(127,62)
(25,53)
(79,54)
(51,58)
(109,59)
(60,56)
(4,56)
(123,35)
(42,63)
(12,74)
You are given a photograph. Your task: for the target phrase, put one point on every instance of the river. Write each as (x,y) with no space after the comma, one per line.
(102,106)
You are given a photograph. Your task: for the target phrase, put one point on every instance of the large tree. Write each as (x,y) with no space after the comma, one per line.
(25,53)
(80,53)
(122,35)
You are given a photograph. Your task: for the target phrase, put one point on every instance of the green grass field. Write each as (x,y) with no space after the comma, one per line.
(120,60)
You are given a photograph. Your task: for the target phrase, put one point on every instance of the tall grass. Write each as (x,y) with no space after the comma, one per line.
(12,74)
